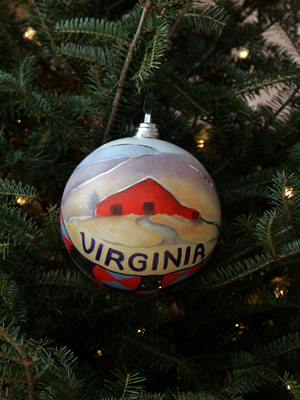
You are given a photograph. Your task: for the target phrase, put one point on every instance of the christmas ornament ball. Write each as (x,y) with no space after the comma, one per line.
(140,215)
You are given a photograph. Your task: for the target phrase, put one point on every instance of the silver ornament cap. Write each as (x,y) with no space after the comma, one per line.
(147,129)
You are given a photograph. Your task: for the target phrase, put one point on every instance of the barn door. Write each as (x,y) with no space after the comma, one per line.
(148,208)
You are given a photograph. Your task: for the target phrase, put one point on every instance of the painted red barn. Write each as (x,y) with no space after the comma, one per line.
(146,197)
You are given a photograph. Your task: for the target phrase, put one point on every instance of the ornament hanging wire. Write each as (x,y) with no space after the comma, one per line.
(147,129)
(147,106)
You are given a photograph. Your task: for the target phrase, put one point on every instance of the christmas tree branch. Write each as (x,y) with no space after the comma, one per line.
(60,387)
(251,271)
(119,91)
(125,387)
(56,229)
(284,105)
(273,251)
(92,288)
(286,351)
(10,37)
(169,3)
(198,64)
(236,153)
(285,204)
(280,109)
(11,188)
(40,294)
(181,15)
(53,44)
(153,350)
(263,84)
(13,380)
(114,5)
(236,256)
(61,121)
(25,360)
(188,97)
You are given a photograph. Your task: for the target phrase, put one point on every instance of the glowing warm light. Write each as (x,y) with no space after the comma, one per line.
(19,121)
(288,387)
(141,331)
(99,353)
(29,33)
(244,53)
(21,200)
(279,292)
(237,325)
(200,144)
(288,192)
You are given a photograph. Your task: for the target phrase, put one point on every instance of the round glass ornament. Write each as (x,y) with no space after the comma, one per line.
(140,214)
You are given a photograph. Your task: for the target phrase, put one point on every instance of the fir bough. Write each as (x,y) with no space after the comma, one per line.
(85,76)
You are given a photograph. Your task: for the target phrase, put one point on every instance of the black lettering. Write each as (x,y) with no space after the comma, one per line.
(155,261)
(199,251)
(88,251)
(118,259)
(170,256)
(143,262)
(187,255)
(99,252)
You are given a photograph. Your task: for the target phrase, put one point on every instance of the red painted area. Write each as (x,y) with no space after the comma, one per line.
(96,281)
(147,197)
(146,293)
(170,278)
(102,275)
(67,243)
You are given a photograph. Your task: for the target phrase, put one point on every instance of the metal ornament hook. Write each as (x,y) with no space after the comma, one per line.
(147,129)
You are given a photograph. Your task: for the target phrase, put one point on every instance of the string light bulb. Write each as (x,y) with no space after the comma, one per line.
(244,53)
(279,292)
(99,353)
(21,201)
(200,144)
(288,192)
(29,33)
